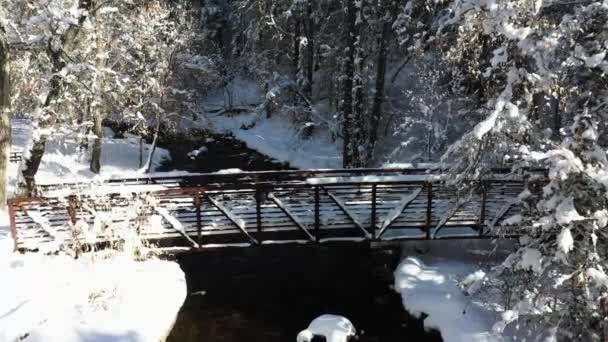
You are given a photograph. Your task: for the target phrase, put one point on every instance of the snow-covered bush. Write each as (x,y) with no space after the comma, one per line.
(539,70)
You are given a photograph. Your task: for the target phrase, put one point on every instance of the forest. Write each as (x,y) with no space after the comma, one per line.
(468,86)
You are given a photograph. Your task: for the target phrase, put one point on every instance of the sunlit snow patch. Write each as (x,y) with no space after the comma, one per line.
(334,328)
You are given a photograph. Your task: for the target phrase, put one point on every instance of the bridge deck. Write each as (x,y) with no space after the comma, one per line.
(209,210)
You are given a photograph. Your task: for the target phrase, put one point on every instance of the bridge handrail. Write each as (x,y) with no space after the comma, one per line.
(203,179)
(192,190)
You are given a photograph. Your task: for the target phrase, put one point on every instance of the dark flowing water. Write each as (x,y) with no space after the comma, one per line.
(206,152)
(270,293)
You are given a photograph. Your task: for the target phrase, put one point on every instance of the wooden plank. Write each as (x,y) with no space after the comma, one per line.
(239,223)
(405,201)
(293,218)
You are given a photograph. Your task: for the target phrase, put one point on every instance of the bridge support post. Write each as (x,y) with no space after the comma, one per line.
(11,214)
(197,203)
(429,208)
(258,211)
(482,214)
(373,218)
(317,215)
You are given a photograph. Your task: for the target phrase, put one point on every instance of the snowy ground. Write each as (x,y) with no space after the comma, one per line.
(64,161)
(58,298)
(429,283)
(277,137)
(92,298)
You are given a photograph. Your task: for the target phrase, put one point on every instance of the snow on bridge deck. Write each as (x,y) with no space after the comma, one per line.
(251,208)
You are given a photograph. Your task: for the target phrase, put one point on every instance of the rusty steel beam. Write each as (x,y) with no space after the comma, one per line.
(291,216)
(239,223)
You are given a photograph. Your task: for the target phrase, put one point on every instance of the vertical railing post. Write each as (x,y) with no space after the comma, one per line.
(373,218)
(199,225)
(13,221)
(429,208)
(72,209)
(258,211)
(482,214)
(317,215)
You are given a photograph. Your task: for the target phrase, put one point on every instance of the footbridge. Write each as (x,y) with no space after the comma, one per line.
(197,211)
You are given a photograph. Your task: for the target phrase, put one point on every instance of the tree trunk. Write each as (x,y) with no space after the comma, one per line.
(67,42)
(32,164)
(376,116)
(346,109)
(141,152)
(98,113)
(359,123)
(311,48)
(5,121)
(153,149)
(96,151)
(296,49)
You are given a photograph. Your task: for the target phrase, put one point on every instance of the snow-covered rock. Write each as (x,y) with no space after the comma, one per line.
(433,284)
(57,298)
(335,329)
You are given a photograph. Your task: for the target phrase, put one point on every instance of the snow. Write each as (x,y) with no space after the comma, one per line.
(106,296)
(119,158)
(515,33)
(565,242)
(374,179)
(433,289)
(566,213)
(57,298)
(279,138)
(601,217)
(335,329)
(229,171)
(473,281)
(426,166)
(531,259)
(488,124)
(64,162)
(431,283)
(598,276)
(512,220)
(240,91)
(501,55)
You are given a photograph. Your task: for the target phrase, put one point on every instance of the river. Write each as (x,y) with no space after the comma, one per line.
(270,293)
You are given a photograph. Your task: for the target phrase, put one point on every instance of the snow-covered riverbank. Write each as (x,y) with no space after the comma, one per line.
(57,298)
(430,283)
(93,298)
